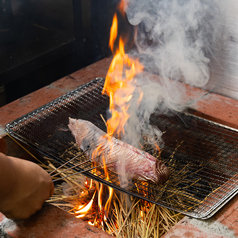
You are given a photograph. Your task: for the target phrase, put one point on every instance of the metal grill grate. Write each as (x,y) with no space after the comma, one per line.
(202,155)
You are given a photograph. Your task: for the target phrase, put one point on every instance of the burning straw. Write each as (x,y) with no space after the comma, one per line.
(127,216)
(142,219)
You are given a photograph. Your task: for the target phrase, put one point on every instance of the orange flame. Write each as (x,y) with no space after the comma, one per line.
(113,33)
(122,6)
(100,193)
(83,210)
(108,203)
(120,83)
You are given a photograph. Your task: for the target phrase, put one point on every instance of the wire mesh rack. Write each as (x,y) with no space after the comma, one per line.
(202,155)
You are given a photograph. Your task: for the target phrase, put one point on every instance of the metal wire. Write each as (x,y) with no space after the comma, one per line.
(202,155)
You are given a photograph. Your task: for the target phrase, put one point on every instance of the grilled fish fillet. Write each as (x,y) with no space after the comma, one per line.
(118,155)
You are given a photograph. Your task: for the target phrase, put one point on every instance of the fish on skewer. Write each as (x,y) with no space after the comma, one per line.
(132,162)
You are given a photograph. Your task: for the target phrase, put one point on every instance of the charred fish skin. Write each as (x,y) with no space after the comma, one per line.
(136,163)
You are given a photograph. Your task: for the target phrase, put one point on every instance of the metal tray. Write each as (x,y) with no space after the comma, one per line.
(202,155)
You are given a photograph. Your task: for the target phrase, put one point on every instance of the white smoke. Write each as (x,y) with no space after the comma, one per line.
(175,39)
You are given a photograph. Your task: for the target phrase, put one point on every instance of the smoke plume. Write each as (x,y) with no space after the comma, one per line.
(175,39)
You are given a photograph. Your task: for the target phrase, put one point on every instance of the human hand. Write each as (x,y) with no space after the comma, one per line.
(24,187)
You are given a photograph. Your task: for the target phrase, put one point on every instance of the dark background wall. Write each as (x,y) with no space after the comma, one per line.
(42,41)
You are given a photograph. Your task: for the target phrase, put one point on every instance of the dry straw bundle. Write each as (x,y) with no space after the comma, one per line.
(128,216)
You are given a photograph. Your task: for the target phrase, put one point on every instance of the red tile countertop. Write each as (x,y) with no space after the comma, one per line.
(212,106)
(50,222)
